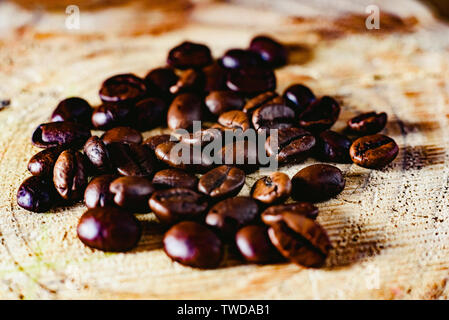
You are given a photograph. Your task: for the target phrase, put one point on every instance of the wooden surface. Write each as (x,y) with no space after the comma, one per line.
(389,228)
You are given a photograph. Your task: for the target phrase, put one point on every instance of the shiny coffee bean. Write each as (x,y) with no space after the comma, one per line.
(97,192)
(215,78)
(70,175)
(251,80)
(66,134)
(153,141)
(368,123)
(200,137)
(183,157)
(271,51)
(333,147)
(109,229)
(123,87)
(273,188)
(233,120)
(242,154)
(255,246)
(219,102)
(375,151)
(132,159)
(149,113)
(122,135)
(73,110)
(269,97)
(160,80)
(298,97)
(189,55)
(193,244)
(175,178)
(273,116)
(184,109)
(223,181)
(97,154)
(42,163)
(317,182)
(320,114)
(240,58)
(274,213)
(110,115)
(177,204)
(132,193)
(229,215)
(191,80)
(36,194)
(290,145)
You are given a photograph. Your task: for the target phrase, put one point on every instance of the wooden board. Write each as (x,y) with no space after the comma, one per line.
(389,228)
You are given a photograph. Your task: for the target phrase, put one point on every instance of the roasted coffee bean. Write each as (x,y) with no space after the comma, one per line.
(66,134)
(132,159)
(183,157)
(223,181)
(132,193)
(219,102)
(42,163)
(375,151)
(175,178)
(271,51)
(160,80)
(234,120)
(273,116)
(73,110)
(184,109)
(121,135)
(191,80)
(333,146)
(153,141)
(189,55)
(110,115)
(123,87)
(274,213)
(98,155)
(300,239)
(109,229)
(193,244)
(36,194)
(320,114)
(200,137)
(273,188)
(70,175)
(269,97)
(290,145)
(215,78)
(298,97)
(251,80)
(240,58)
(242,154)
(255,246)
(231,214)
(97,192)
(176,204)
(368,123)
(317,182)
(149,113)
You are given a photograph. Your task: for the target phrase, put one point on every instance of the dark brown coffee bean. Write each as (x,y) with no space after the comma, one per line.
(184,109)
(215,78)
(73,110)
(242,154)
(36,194)
(274,214)
(160,80)
(191,80)
(273,116)
(221,101)
(320,114)
(122,135)
(200,137)
(42,163)
(109,229)
(269,97)
(255,246)
(123,87)
(223,181)
(153,141)
(98,155)
(189,55)
(298,97)
(375,151)
(333,147)
(239,58)
(183,157)
(193,244)
(132,193)
(234,120)
(176,204)
(70,175)
(271,51)
(368,123)
(66,134)
(175,178)
(97,192)
(231,214)
(251,80)
(149,113)
(273,188)
(290,145)
(132,159)
(317,182)
(110,115)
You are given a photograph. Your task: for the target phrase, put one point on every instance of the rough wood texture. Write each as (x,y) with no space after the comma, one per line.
(389,228)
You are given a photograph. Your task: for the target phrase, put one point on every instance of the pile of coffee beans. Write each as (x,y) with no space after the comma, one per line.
(119,173)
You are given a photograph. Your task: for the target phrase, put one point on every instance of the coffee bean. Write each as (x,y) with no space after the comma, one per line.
(123,87)
(274,214)
(160,80)
(149,113)
(273,116)
(153,141)
(132,193)
(132,159)
(239,58)
(191,80)
(109,229)
(223,181)
(70,175)
(110,115)
(176,204)
(184,109)
(271,51)
(184,156)
(269,97)
(219,102)
(368,123)
(231,214)
(122,135)
(320,114)
(298,97)
(375,151)
(200,137)
(242,153)
(215,78)
(41,164)
(333,147)
(193,244)
(36,194)
(97,192)
(189,55)
(73,110)
(98,155)
(234,120)
(273,188)
(255,246)
(251,80)
(290,145)
(175,178)
(317,182)
(66,134)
